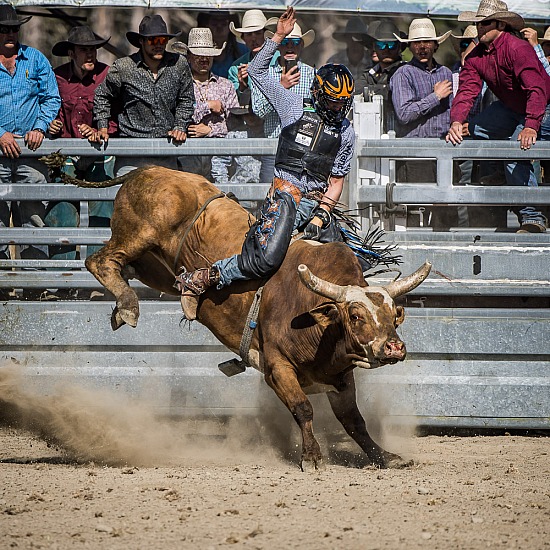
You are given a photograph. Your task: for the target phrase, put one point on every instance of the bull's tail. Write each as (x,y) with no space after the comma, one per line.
(55,162)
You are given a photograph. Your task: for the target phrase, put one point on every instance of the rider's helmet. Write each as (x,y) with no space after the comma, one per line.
(332,92)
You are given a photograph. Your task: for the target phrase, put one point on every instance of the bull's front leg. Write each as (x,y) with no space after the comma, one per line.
(344,406)
(281,377)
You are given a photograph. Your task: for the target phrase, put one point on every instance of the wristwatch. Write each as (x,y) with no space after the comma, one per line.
(39,130)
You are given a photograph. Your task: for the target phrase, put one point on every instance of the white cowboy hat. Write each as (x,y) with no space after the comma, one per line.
(493,9)
(308,37)
(253,20)
(200,42)
(469,32)
(421,30)
(546,37)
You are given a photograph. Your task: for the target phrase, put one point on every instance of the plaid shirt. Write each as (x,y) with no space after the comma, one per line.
(264,109)
(418,110)
(542,58)
(217,88)
(289,106)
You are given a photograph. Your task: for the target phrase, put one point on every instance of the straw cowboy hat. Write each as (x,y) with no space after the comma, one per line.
(253,20)
(200,42)
(355,28)
(308,37)
(546,37)
(78,36)
(469,32)
(151,25)
(384,31)
(493,9)
(8,16)
(422,30)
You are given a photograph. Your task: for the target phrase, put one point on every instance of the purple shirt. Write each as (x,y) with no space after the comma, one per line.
(77,98)
(419,111)
(512,71)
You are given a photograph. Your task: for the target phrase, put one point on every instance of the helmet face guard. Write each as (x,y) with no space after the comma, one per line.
(332,92)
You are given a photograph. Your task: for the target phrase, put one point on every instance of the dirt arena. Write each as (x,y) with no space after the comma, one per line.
(79,470)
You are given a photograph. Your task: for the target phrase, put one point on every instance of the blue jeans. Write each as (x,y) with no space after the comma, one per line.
(499,122)
(229,267)
(29,171)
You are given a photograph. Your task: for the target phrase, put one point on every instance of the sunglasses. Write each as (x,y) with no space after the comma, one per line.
(464,44)
(157,40)
(7,29)
(381,45)
(486,23)
(293,41)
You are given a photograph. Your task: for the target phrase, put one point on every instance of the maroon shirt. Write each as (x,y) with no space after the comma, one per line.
(77,98)
(513,73)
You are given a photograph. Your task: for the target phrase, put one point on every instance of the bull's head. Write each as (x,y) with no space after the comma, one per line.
(368,314)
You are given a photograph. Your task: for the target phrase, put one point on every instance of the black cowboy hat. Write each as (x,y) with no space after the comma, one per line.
(384,31)
(8,16)
(79,36)
(151,25)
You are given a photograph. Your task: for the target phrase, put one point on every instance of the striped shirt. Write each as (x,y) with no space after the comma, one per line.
(29,98)
(262,106)
(149,107)
(542,58)
(215,88)
(418,110)
(289,107)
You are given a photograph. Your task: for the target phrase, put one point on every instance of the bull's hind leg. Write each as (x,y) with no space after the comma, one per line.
(109,266)
(344,406)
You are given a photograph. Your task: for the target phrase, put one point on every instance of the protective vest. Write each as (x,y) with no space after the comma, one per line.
(308,146)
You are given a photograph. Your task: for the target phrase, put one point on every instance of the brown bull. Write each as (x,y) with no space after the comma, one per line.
(318,318)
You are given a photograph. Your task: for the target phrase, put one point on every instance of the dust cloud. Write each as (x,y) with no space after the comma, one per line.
(107,428)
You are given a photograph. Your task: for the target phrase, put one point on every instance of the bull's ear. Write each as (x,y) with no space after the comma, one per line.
(326,314)
(400,316)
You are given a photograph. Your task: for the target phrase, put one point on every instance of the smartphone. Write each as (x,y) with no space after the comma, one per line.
(289,63)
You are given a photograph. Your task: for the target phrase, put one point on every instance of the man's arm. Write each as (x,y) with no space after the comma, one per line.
(186,98)
(105,95)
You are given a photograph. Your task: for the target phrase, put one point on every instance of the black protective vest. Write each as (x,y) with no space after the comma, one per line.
(308,146)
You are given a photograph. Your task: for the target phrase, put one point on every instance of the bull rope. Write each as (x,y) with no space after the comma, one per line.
(250,325)
(190,226)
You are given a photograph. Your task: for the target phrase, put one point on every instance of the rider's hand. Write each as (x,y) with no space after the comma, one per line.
(312,232)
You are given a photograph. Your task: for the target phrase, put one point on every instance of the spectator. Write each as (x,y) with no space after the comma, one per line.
(153,89)
(304,168)
(545,44)
(293,74)
(513,72)
(214,96)
(356,57)
(252,34)
(77,82)
(421,94)
(244,123)
(218,22)
(376,79)
(28,103)
(542,46)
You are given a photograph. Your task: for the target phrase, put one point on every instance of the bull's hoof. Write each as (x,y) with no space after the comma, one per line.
(312,464)
(395,462)
(121,317)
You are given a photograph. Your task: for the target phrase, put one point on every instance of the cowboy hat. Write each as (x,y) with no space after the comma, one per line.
(78,36)
(307,38)
(200,42)
(493,9)
(546,37)
(384,31)
(253,20)
(151,25)
(355,28)
(469,32)
(8,16)
(422,30)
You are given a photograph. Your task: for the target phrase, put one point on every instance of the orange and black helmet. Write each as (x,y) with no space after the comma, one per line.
(332,92)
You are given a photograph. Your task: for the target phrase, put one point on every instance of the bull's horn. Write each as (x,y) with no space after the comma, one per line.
(319,286)
(402,286)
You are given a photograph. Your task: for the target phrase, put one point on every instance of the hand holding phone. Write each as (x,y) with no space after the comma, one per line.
(289,63)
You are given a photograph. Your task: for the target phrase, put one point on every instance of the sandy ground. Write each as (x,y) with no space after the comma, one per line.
(116,477)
